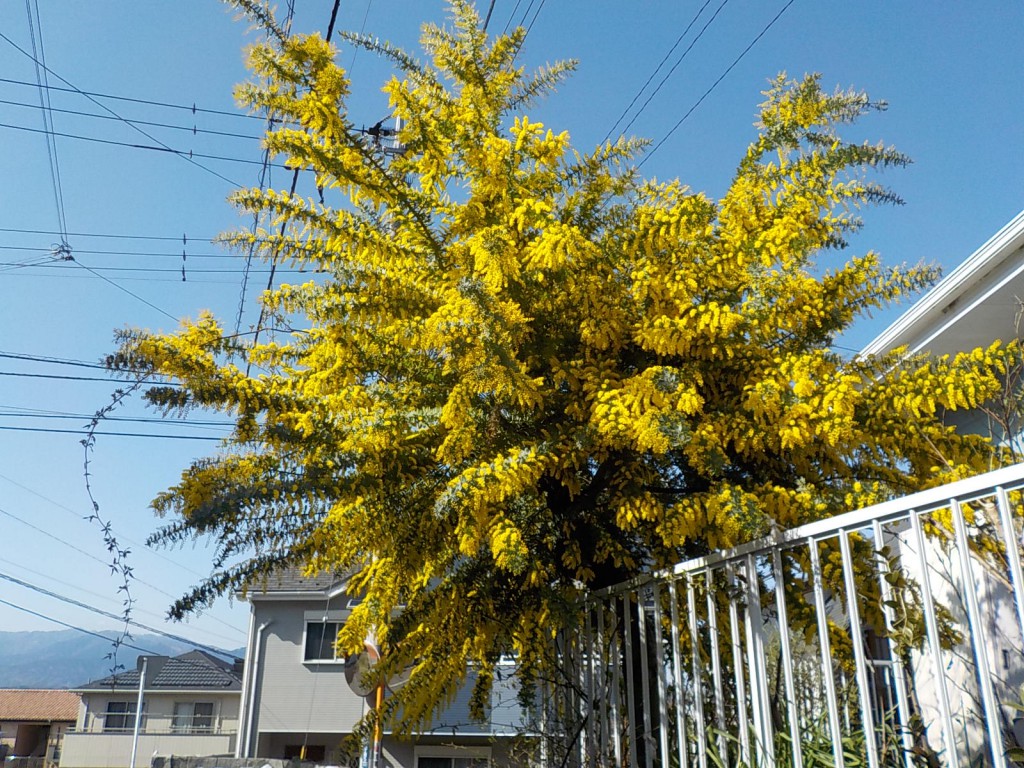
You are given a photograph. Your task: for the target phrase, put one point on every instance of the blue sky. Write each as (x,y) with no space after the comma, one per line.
(948,71)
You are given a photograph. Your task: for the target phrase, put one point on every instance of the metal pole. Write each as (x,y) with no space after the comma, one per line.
(1010,541)
(859,657)
(787,657)
(698,693)
(659,664)
(677,676)
(899,681)
(934,643)
(826,657)
(138,710)
(716,664)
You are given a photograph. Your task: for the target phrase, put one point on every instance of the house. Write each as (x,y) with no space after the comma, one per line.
(977,303)
(33,723)
(190,707)
(301,700)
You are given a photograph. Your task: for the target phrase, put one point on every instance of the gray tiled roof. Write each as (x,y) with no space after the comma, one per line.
(194,670)
(290,579)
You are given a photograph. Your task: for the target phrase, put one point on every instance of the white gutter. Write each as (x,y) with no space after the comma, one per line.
(1000,246)
(254,681)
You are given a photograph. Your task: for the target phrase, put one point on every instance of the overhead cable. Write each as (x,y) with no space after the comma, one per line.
(108,109)
(657,69)
(172,126)
(100,612)
(714,85)
(189,108)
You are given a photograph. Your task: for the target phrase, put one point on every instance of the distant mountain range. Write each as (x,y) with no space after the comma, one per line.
(66,658)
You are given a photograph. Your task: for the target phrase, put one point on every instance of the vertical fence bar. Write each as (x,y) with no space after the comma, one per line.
(859,657)
(633,729)
(978,639)
(590,704)
(759,667)
(899,682)
(932,634)
(603,660)
(545,724)
(698,694)
(677,676)
(615,654)
(787,657)
(716,664)
(1012,554)
(826,657)
(659,665)
(645,682)
(737,654)
(578,697)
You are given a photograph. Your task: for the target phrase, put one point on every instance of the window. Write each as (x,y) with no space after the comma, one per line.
(119,717)
(192,717)
(320,640)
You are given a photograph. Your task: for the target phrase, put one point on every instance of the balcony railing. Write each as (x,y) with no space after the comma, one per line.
(889,636)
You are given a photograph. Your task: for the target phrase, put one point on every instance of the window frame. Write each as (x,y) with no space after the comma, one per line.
(337,618)
(128,716)
(187,724)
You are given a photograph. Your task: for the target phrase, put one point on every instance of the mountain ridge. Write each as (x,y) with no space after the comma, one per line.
(67,658)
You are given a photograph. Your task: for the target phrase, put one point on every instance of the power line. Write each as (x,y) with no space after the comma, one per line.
(657,69)
(114,97)
(120,644)
(189,155)
(49,264)
(108,109)
(145,547)
(92,252)
(533,21)
(57,377)
(183,238)
(511,16)
(714,85)
(173,126)
(108,434)
(121,288)
(53,360)
(100,612)
(99,560)
(126,419)
(47,115)
(135,608)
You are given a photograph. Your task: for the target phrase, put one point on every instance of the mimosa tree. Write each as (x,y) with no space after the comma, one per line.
(525,370)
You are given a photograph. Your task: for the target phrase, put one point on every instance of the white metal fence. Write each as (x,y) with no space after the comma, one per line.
(887,636)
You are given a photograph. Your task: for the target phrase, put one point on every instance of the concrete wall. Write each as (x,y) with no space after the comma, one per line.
(106,750)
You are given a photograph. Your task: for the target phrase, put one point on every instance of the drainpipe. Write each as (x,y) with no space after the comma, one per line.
(243,703)
(254,681)
(138,710)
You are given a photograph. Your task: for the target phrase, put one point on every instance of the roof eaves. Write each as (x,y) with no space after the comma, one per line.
(998,248)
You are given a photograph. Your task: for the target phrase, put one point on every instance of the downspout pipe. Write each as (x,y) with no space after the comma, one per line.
(253,682)
(244,703)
